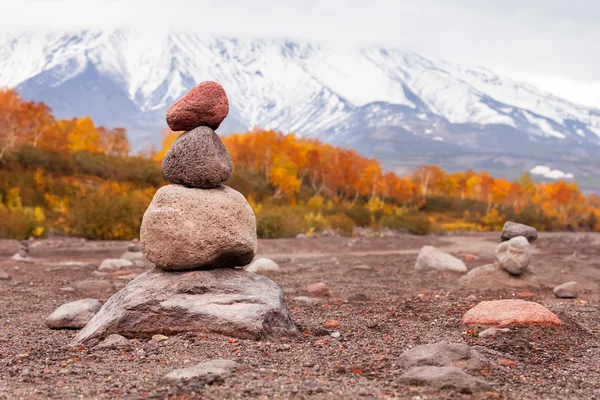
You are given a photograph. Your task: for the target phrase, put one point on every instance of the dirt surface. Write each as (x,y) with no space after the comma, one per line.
(403,309)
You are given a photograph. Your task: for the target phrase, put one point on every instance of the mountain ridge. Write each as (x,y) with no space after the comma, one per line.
(372,98)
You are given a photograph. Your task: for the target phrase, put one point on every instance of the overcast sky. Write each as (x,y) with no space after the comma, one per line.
(554,44)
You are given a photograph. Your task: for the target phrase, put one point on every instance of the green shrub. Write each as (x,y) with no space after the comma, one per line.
(360,215)
(342,224)
(278,222)
(395,222)
(419,224)
(107,215)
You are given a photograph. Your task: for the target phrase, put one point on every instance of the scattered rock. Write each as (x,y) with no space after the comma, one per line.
(502,313)
(135,257)
(66,289)
(444,355)
(197,159)
(100,274)
(127,277)
(513,229)
(113,341)
(431,258)
(301,236)
(206,372)
(335,335)
(94,286)
(513,255)
(204,105)
(4,276)
(263,266)
(305,299)
(226,301)
(357,298)
(114,264)
(492,332)
(331,324)
(523,295)
(472,297)
(159,338)
(362,267)
(73,315)
(444,378)
(470,257)
(318,289)
(185,229)
(569,290)
(20,258)
(494,277)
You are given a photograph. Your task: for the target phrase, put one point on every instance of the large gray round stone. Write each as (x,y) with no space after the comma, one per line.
(186,229)
(227,301)
(197,159)
(430,258)
(514,255)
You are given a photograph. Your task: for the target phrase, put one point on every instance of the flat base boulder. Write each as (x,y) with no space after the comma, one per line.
(494,277)
(186,229)
(430,258)
(226,301)
(502,313)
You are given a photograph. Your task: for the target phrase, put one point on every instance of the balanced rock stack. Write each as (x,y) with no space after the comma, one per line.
(512,267)
(196,231)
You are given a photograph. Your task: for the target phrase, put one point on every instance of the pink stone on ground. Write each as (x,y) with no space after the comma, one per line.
(318,289)
(501,313)
(204,105)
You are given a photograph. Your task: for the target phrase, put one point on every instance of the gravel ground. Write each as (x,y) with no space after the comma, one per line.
(403,309)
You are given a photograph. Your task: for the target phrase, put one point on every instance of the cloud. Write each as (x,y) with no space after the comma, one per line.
(524,38)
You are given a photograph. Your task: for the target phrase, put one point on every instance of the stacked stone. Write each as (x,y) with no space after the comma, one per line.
(512,267)
(196,231)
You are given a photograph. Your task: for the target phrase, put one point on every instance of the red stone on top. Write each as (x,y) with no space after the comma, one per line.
(204,105)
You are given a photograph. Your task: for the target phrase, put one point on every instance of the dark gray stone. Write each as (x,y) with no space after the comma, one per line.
(513,229)
(444,378)
(197,159)
(569,290)
(113,342)
(457,355)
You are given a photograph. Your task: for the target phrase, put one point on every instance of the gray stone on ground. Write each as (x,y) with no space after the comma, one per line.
(226,301)
(514,229)
(159,338)
(494,277)
(430,258)
(134,246)
(21,258)
(444,378)
(134,256)
(197,159)
(186,229)
(66,289)
(357,298)
(112,264)
(489,332)
(263,266)
(306,299)
(4,276)
(73,315)
(569,290)
(440,354)
(94,285)
(514,255)
(113,341)
(206,372)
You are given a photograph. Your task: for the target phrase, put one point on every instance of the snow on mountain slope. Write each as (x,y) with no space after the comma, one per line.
(382,101)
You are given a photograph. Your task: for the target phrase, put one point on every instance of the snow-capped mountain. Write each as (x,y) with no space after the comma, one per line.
(392,104)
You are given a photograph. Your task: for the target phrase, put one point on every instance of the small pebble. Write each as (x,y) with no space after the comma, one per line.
(159,338)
